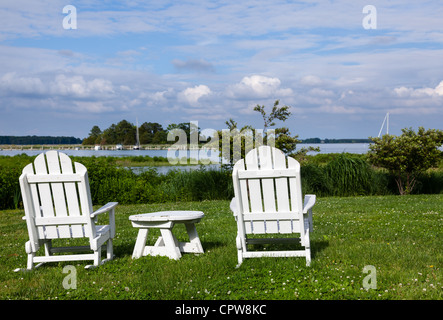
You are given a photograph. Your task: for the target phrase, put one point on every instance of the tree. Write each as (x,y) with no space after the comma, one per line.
(189,128)
(407,156)
(125,133)
(152,132)
(109,135)
(279,113)
(160,137)
(241,141)
(94,136)
(283,138)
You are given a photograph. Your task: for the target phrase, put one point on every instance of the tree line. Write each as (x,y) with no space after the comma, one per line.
(318,140)
(125,133)
(35,140)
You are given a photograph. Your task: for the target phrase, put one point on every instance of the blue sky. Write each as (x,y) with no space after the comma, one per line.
(209,61)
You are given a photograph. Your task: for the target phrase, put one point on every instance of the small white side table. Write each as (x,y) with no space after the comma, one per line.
(167,244)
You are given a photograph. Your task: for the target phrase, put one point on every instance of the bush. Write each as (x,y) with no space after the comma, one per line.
(430,182)
(9,187)
(10,171)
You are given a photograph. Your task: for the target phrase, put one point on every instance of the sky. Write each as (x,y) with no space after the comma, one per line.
(66,66)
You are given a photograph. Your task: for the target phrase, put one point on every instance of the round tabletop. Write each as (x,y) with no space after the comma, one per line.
(168,216)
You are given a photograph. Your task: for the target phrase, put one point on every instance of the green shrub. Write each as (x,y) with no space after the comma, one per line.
(430,182)
(9,187)
(10,171)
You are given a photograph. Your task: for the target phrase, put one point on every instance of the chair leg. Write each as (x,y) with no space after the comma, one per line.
(30,260)
(97,257)
(307,249)
(308,256)
(31,255)
(48,247)
(109,250)
(239,251)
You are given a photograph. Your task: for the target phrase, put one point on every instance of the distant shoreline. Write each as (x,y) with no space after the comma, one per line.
(63,141)
(322,141)
(149,146)
(76,147)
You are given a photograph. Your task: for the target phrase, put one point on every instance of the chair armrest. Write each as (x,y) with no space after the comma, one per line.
(307,208)
(309,202)
(107,207)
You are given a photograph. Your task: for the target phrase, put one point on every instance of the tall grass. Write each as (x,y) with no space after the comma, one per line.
(350,176)
(342,176)
(200,185)
(151,187)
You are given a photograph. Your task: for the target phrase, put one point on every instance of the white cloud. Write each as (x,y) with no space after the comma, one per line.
(205,19)
(77,86)
(192,95)
(421,92)
(321,92)
(315,57)
(193,65)
(125,88)
(257,86)
(92,107)
(159,98)
(11,83)
(338,109)
(311,80)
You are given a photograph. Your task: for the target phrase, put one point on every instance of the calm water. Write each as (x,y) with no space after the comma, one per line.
(324,148)
(358,148)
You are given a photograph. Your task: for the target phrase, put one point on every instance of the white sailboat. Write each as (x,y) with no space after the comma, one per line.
(137,143)
(383,124)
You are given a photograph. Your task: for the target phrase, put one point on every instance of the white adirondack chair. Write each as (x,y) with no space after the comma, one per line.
(57,203)
(268,200)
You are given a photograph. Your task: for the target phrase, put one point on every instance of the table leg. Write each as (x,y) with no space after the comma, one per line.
(140,243)
(171,247)
(196,246)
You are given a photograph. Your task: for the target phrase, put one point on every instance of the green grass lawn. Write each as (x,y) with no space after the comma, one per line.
(401,236)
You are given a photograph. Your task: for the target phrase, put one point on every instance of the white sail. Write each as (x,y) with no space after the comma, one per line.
(137,143)
(383,124)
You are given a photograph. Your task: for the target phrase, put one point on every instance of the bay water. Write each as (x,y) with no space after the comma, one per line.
(202,155)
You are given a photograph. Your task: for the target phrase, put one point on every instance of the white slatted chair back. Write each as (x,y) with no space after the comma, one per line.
(57,198)
(57,202)
(269,189)
(268,196)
